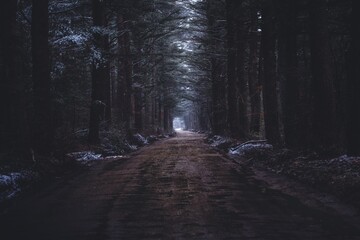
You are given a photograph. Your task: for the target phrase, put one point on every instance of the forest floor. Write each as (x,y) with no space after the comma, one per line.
(72,155)
(338,175)
(177,188)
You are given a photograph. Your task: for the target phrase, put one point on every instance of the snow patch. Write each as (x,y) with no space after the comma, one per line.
(131,147)
(151,138)
(117,157)
(12,183)
(85,158)
(139,140)
(250,147)
(220,142)
(346,158)
(5,180)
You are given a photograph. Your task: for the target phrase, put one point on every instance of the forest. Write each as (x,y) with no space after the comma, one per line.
(92,74)
(179,119)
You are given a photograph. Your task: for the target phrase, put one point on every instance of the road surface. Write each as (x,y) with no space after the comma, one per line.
(178,188)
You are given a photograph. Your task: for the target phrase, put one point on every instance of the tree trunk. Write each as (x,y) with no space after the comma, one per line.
(128,65)
(288,72)
(218,88)
(218,97)
(138,101)
(100,75)
(232,113)
(160,112)
(107,84)
(166,119)
(241,81)
(254,86)
(9,139)
(322,76)
(270,94)
(43,122)
(353,87)
(121,78)
(125,74)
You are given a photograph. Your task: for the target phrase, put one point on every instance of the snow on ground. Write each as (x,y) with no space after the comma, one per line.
(140,140)
(249,148)
(131,147)
(89,158)
(339,175)
(220,142)
(85,158)
(12,183)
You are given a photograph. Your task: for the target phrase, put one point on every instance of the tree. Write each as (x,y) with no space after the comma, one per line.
(270,86)
(353,87)
(241,39)
(43,117)
(218,87)
(125,71)
(288,71)
(254,85)
(100,103)
(232,111)
(9,90)
(324,127)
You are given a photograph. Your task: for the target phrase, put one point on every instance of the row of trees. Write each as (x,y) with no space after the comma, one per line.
(284,69)
(69,67)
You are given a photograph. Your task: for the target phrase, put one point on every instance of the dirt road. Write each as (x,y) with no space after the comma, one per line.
(174,189)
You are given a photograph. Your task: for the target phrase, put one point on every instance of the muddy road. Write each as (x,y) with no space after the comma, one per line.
(177,188)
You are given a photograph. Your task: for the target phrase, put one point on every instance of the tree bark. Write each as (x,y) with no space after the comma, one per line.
(107,79)
(166,119)
(43,122)
(121,66)
(125,74)
(254,86)
(353,86)
(100,95)
(218,97)
(138,102)
(270,93)
(324,129)
(288,72)
(232,113)
(218,88)
(241,39)
(128,65)
(9,139)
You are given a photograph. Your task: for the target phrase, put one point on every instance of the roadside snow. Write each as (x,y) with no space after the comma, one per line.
(339,175)
(85,158)
(220,142)
(250,147)
(139,140)
(346,158)
(5,180)
(12,183)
